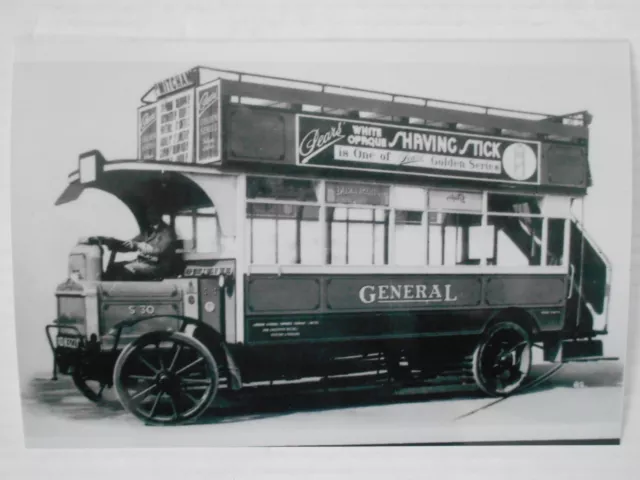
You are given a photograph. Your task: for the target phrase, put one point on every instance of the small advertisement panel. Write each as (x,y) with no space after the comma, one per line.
(148,132)
(355,193)
(455,200)
(355,144)
(208,116)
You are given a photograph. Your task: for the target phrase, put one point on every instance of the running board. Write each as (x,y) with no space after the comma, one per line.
(592,359)
(568,351)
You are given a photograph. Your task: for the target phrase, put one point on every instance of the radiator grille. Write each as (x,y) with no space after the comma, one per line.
(72,312)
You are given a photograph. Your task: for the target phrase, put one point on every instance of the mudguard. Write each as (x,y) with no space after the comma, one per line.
(212,339)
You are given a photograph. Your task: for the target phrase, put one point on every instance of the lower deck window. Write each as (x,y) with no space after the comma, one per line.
(517,241)
(295,229)
(411,238)
(555,240)
(357,236)
(336,223)
(449,238)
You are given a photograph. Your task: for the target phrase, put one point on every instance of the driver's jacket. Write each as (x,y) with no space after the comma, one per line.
(156,244)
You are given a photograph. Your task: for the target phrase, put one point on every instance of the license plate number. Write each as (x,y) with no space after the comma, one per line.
(68,342)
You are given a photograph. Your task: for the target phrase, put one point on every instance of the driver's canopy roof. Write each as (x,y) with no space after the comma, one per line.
(167,191)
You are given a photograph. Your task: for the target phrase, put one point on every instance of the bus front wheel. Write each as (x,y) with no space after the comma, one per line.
(166,378)
(502,358)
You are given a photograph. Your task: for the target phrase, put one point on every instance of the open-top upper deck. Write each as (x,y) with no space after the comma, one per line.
(254,89)
(238,121)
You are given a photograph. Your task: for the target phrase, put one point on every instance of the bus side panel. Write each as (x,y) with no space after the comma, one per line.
(211,305)
(260,134)
(216,306)
(299,307)
(533,290)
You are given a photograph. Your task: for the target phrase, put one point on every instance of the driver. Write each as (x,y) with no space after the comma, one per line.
(155,247)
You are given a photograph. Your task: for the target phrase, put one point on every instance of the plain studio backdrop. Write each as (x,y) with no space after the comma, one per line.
(63,108)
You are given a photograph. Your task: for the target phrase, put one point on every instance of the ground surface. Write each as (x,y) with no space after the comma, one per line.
(581,401)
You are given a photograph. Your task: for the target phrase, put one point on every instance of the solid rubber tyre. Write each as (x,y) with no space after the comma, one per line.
(168,382)
(502,358)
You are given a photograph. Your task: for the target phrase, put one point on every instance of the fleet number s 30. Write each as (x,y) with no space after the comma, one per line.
(141,309)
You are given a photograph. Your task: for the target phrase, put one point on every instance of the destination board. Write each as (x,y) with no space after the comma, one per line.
(176,128)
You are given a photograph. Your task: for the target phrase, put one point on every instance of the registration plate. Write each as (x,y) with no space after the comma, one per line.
(68,342)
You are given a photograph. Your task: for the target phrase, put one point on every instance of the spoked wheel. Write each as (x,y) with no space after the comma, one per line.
(502,359)
(166,378)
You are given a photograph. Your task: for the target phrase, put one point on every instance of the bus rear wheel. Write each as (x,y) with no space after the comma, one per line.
(166,378)
(502,359)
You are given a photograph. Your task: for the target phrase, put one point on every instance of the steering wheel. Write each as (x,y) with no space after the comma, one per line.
(113,244)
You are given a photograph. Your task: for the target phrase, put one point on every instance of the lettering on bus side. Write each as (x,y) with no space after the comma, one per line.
(207,271)
(407,293)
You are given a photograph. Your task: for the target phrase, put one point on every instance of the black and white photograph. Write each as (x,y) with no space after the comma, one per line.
(377,244)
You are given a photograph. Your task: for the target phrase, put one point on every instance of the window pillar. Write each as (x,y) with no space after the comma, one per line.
(484,222)
(324,227)
(567,243)
(544,241)
(391,239)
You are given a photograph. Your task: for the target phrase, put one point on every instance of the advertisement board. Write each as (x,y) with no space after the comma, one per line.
(208,132)
(357,144)
(148,132)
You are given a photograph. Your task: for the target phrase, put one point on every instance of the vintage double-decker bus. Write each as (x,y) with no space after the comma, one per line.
(328,231)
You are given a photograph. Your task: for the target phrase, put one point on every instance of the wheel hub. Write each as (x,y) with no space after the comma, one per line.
(503,361)
(166,381)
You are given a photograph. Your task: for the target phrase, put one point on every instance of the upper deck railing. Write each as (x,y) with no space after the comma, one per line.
(577,119)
